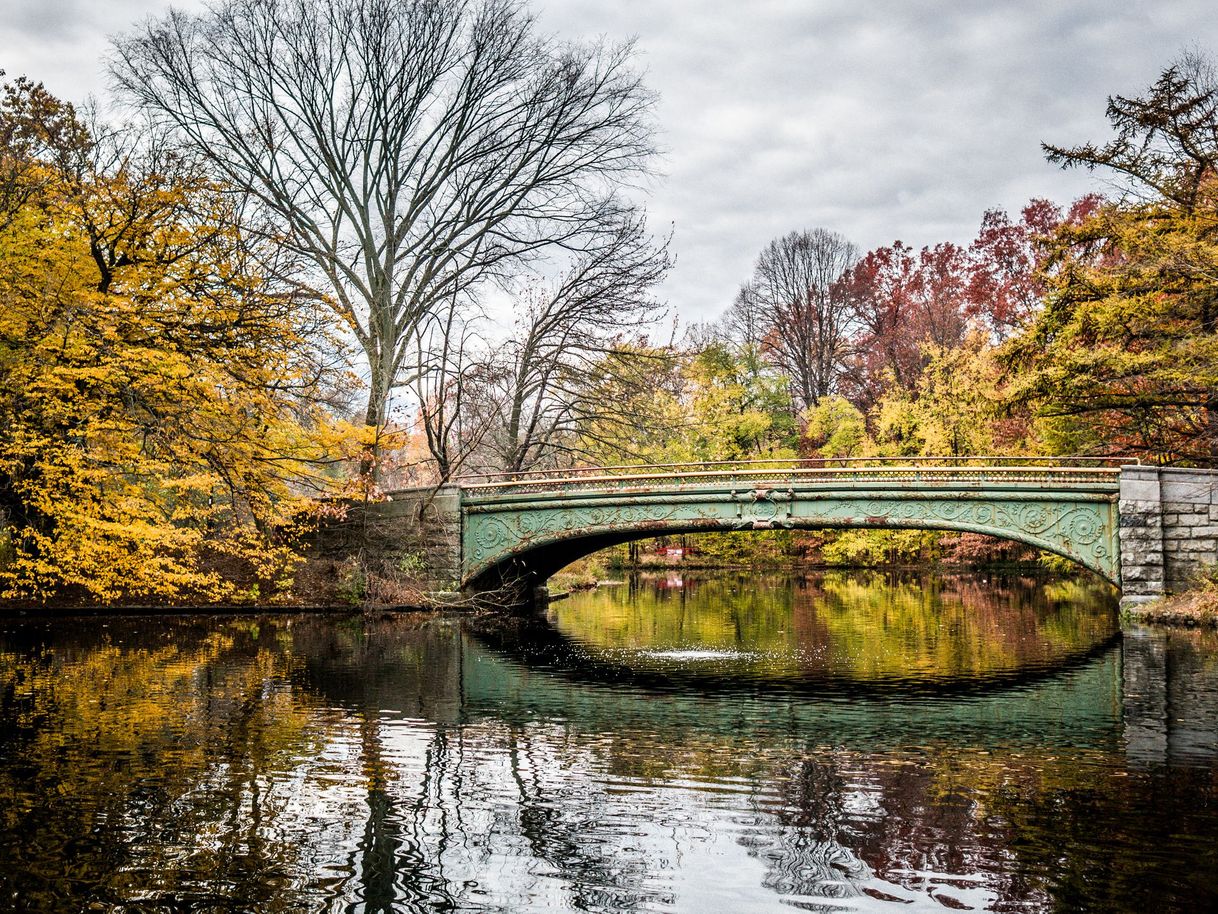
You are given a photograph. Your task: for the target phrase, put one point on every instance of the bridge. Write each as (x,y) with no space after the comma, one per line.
(1145,529)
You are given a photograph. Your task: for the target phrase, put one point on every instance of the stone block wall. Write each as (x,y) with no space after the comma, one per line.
(415,529)
(1169,529)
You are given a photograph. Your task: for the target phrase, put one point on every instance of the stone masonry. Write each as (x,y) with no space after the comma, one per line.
(419,529)
(1169,529)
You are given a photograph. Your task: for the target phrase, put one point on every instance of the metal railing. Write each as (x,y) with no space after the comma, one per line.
(1070,470)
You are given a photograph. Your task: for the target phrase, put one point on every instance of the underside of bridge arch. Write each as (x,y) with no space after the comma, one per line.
(520,542)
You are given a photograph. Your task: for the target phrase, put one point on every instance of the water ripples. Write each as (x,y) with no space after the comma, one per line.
(838,744)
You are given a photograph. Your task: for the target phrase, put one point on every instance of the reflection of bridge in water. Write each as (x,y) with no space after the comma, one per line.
(610,783)
(1142,528)
(1110,695)
(506,749)
(537,645)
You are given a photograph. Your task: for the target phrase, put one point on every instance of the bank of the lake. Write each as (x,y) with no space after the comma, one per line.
(1191,609)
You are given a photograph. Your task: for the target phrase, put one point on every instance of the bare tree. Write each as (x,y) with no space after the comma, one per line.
(449,360)
(410,150)
(794,301)
(744,323)
(542,389)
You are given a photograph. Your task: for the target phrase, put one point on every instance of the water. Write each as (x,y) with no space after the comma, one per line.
(724,743)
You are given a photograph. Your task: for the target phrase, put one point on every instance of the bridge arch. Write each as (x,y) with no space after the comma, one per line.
(513,531)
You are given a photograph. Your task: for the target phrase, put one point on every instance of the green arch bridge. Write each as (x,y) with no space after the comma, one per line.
(1145,529)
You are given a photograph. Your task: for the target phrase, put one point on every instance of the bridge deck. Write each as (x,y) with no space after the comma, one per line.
(1095,477)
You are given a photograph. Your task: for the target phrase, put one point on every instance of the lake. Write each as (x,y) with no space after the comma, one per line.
(709,742)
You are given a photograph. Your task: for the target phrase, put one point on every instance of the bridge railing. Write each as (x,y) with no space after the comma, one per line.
(941,470)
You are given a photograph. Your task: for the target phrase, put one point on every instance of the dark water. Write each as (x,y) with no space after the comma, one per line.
(722,744)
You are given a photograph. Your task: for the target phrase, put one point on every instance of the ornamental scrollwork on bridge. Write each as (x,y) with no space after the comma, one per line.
(1077,528)
(491,535)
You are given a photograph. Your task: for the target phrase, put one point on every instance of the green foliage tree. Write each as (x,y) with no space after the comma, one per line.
(1124,355)
(835,428)
(956,409)
(738,410)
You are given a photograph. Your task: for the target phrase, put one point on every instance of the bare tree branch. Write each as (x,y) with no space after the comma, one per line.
(538,391)
(794,302)
(410,150)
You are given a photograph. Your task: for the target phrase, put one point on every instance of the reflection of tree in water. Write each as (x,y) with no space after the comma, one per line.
(419,842)
(408,667)
(1040,832)
(805,855)
(1097,842)
(171,763)
(566,824)
(141,757)
(885,625)
(182,768)
(868,626)
(940,828)
(400,858)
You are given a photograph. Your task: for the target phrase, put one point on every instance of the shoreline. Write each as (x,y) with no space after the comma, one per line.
(562,586)
(1190,609)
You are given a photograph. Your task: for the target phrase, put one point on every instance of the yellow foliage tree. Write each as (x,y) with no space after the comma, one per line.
(157,432)
(958,408)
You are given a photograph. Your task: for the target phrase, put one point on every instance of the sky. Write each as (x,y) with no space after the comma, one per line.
(878,119)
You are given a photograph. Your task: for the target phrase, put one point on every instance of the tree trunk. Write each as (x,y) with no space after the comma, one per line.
(1209,327)
(374,418)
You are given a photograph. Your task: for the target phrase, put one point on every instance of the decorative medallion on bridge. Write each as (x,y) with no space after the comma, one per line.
(762,508)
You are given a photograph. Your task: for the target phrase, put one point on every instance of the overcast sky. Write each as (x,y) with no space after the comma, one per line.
(881,120)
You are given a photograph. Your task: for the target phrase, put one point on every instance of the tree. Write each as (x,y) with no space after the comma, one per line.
(1006,288)
(649,421)
(737,412)
(954,409)
(445,370)
(879,290)
(1166,143)
(794,295)
(1126,348)
(410,150)
(41,137)
(566,335)
(154,428)
(744,323)
(901,304)
(835,428)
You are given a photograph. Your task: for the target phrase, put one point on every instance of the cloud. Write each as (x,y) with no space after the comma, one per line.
(63,43)
(881,120)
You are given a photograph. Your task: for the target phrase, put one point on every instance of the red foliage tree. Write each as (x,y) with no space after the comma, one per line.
(1004,288)
(879,288)
(901,302)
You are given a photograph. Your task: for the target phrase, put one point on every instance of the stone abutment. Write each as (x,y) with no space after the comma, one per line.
(1168,529)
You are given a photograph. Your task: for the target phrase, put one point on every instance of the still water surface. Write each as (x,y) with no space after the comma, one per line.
(723,743)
